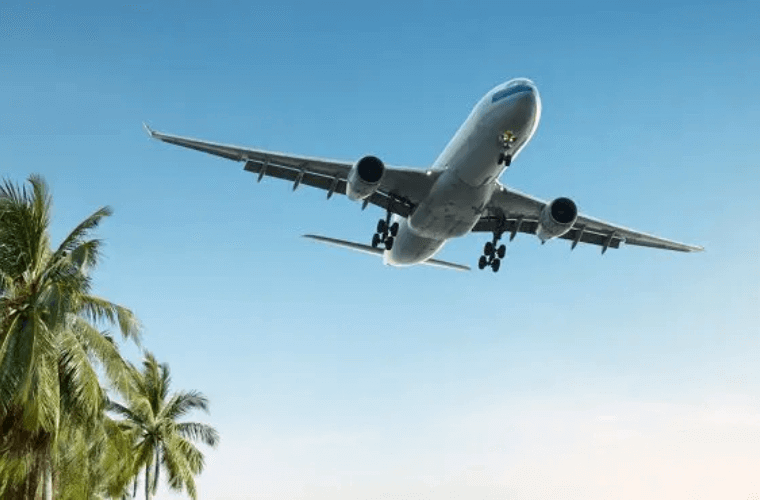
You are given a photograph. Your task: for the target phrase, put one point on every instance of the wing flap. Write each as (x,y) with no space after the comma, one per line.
(336,184)
(514,225)
(508,207)
(400,190)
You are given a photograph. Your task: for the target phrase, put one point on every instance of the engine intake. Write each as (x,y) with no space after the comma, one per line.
(364,178)
(556,218)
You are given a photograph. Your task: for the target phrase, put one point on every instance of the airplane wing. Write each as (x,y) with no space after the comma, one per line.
(515,212)
(401,189)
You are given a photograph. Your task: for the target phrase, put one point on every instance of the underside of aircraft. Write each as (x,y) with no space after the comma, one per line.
(459,194)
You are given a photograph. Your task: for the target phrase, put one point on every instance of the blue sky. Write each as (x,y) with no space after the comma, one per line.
(331,376)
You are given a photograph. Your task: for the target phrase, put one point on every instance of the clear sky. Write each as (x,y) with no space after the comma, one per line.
(567,375)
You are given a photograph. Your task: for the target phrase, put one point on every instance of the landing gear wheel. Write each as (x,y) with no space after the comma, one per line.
(389,243)
(501,159)
(394,229)
(488,249)
(375,240)
(382,226)
(507,160)
(492,251)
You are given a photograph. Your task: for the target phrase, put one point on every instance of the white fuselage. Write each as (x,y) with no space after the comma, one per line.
(469,167)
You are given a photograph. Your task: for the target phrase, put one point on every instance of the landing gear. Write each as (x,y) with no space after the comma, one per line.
(386,232)
(492,254)
(505,158)
(506,140)
(495,265)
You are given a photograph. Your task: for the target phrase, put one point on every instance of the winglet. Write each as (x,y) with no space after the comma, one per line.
(149,130)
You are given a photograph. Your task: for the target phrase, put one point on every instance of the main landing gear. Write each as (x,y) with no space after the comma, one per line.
(506,140)
(492,254)
(385,232)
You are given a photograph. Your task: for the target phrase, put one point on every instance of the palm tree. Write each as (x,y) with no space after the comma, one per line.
(49,335)
(152,413)
(94,461)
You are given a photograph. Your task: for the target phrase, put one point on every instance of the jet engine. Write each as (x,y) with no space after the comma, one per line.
(556,218)
(364,178)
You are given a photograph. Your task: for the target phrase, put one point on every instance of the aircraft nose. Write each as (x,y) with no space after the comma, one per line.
(527,104)
(528,97)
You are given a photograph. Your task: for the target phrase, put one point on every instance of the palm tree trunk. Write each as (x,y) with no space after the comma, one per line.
(155,474)
(147,481)
(47,485)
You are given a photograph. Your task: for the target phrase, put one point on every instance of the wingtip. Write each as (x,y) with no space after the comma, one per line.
(148,130)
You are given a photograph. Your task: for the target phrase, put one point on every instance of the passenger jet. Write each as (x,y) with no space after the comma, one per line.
(458,194)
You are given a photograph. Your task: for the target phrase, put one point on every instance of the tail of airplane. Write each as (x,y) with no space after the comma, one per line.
(358,247)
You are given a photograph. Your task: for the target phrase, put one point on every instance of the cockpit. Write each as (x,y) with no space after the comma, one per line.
(513,87)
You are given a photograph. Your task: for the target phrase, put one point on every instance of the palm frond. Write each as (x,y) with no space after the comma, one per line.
(184,402)
(24,222)
(133,417)
(102,347)
(78,380)
(155,379)
(15,360)
(75,237)
(195,431)
(183,461)
(98,310)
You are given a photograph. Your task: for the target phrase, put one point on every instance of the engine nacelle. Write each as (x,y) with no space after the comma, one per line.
(556,218)
(364,178)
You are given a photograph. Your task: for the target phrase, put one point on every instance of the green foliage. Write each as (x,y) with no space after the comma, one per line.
(56,437)
(51,400)
(151,414)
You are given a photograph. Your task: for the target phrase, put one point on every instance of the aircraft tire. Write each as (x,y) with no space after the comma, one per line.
(488,248)
(394,229)
(381,226)
(495,265)
(482,263)
(502,251)
(375,240)
(389,243)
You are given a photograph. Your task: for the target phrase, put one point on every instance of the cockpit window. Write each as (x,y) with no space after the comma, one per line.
(514,87)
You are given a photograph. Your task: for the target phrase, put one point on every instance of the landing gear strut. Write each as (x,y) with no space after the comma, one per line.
(385,233)
(492,254)
(506,140)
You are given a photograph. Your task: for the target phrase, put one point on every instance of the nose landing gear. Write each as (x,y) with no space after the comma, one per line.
(385,233)
(506,140)
(492,254)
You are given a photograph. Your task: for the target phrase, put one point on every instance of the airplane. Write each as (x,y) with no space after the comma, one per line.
(458,194)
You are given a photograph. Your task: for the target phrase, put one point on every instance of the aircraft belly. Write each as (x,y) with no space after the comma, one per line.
(451,209)
(410,248)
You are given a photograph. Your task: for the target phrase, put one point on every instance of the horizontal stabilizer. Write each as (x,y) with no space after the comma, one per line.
(377,251)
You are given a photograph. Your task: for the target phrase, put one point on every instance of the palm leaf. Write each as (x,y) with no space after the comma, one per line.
(98,310)
(182,403)
(74,238)
(198,432)
(15,360)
